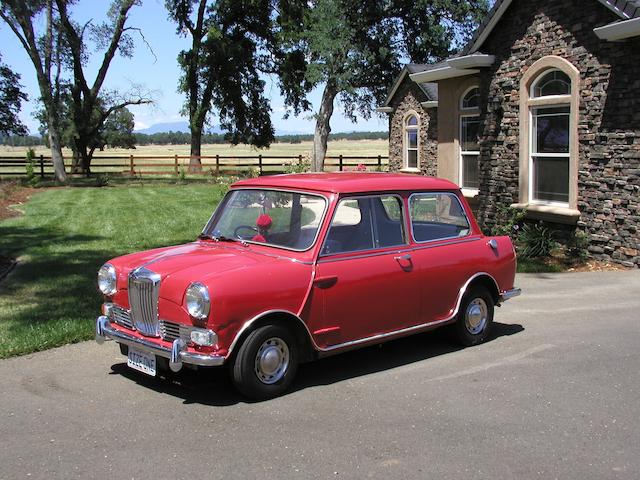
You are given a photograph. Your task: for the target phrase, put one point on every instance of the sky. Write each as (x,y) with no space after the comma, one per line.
(158,74)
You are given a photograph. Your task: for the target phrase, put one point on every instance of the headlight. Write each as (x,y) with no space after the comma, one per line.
(197,300)
(107,279)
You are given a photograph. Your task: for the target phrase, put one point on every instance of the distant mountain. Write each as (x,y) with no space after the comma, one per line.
(182,126)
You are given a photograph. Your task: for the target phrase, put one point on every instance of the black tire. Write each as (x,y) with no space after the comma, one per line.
(267,379)
(475,317)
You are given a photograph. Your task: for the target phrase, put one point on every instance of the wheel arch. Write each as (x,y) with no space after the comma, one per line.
(284,318)
(485,280)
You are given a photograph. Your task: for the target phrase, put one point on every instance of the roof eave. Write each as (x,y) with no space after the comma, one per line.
(619,30)
(441,74)
(384,109)
(395,87)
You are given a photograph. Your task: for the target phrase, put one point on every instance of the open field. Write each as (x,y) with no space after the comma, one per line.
(337,147)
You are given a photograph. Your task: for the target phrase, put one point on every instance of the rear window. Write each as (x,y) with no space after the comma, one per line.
(437,215)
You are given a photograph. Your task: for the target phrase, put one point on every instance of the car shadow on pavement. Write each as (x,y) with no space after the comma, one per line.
(213,386)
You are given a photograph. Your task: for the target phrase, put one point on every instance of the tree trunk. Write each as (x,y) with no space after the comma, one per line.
(195,164)
(321,133)
(56,148)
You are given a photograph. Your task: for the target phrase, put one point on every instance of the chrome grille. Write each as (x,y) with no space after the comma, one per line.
(121,316)
(144,286)
(169,331)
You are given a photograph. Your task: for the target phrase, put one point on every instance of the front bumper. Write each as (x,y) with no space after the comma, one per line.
(507,294)
(177,354)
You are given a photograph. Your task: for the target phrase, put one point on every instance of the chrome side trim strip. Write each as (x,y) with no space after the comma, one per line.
(104,330)
(507,294)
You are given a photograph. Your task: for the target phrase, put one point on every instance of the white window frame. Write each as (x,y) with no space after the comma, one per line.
(405,141)
(561,103)
(466,112)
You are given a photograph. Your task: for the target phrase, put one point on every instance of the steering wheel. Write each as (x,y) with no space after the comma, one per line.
(236,233)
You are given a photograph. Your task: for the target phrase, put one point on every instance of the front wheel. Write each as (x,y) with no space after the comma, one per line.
(475,317)
(266,363)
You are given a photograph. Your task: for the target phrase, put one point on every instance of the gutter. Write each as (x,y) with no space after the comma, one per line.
(619,30)
(455,67)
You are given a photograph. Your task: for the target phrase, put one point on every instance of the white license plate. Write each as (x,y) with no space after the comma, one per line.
(142,361)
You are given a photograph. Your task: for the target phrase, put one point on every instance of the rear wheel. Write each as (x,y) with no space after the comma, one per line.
(266,363)
(475,317)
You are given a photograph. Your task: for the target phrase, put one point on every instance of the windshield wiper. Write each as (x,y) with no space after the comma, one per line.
(221,238)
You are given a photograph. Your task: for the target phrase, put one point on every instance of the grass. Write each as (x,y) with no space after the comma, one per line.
(62,239)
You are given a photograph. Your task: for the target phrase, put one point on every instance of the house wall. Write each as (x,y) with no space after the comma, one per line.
(608,120)
(408,98)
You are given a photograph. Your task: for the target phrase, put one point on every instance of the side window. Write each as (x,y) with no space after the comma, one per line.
(365,223)
(436,216)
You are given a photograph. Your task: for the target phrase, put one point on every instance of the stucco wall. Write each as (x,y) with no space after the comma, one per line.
(408,98)
(608,195)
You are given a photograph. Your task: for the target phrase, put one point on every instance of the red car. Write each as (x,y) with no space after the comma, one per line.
(295,267)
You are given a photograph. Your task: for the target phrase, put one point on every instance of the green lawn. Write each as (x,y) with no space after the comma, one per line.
(65,235)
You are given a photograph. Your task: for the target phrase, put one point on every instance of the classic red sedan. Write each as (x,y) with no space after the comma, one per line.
(294,267)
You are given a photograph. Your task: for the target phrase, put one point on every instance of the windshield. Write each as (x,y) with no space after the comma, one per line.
(276,218)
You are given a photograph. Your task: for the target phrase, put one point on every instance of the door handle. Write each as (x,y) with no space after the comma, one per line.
(404,261)
(325,282)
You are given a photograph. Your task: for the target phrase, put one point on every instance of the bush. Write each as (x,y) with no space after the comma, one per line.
(102,180)
(301,166)
(536,241)
(577,246)
(509,222)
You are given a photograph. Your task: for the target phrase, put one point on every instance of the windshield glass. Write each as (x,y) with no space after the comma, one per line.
(280,219)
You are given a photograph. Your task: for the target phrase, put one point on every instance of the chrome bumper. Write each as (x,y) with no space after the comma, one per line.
(507,294)
(177,354)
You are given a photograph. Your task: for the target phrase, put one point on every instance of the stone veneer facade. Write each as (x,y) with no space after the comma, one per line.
(608,126)
(408,98)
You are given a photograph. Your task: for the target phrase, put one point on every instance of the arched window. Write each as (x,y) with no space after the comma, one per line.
(411,141)
(469,145)
(548,132)
(553,82)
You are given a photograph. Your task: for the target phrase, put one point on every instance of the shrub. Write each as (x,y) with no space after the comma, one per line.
(102,180)
(301,166)
(577,246)
(182,176)
(30,170)
(509,222)
(536,241)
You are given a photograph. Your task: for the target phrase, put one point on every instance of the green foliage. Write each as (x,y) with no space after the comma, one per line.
(576,248)
(182,176)
(31,177)
(102,180)
(508,221)
(117,130)
(11,98)
(300,166)
(536,241)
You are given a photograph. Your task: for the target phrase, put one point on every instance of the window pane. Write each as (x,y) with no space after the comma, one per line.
(437,215)
(551,179)
(471,99)
(412,120)
(412,139)
(551,130)
(552,83)
(350,228)
(469,134)
(470,171)
(412,158)
(388,221)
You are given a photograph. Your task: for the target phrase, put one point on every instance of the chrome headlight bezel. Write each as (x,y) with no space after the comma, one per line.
(107,278)
(197,300)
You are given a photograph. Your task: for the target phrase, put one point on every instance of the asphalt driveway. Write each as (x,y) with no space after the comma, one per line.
(556,394)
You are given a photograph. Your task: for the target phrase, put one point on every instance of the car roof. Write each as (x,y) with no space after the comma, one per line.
(349,182)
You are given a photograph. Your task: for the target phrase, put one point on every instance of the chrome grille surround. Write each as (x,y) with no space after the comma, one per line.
(121,316)
(144,288)
(170,331)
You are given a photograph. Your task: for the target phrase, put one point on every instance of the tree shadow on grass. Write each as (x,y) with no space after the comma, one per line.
(213,386)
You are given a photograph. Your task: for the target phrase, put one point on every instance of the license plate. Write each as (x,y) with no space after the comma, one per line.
(142,361)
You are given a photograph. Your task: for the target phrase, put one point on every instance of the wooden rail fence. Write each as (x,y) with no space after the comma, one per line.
(173,164)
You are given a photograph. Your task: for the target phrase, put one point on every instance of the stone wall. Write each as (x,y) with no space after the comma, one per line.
(408,97)
(608,125)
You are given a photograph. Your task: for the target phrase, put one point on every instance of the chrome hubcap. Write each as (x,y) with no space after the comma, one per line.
(475,318)
(272,360)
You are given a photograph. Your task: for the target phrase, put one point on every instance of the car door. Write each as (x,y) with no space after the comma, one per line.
(446,253)
(365,276)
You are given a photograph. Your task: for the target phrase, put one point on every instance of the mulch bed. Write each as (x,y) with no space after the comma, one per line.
(12,195)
